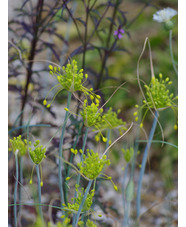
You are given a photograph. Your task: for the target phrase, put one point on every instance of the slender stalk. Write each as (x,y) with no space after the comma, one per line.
(123,188)
(15,189)
(138,197)
(82,203)
(108,138)
(61,151)
(85,35)
(30,126)
(171,52)
(21,179)
(69,24)
(83,149)
(136,17)
(126,216)
(39,191)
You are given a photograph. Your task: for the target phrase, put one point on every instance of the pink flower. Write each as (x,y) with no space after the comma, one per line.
(119,33)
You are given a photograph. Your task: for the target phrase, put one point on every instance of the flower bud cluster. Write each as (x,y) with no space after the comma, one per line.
(91,114)
(128,154)
(38,153)
(92,165)
(18,144)
(70,79)
(158,96)
(77,201)
(110,120)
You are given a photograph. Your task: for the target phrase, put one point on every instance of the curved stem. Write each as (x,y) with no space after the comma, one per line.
(39,191)
(82,203)
(138,197)
(15,189)
(171,52)
(61,151)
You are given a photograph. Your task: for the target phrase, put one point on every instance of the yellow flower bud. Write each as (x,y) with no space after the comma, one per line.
(115,187)
(44,102)
(104,139)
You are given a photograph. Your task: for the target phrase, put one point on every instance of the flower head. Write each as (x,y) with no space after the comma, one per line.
(119,33)
(158,96)
(164,15)
(91,114)
(37,154)
(69,78)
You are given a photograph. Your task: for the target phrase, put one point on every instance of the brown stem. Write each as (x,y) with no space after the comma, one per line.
(31,56)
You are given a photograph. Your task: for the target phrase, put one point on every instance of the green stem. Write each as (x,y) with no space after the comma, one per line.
(39,191)
(82,203)
(171,52)
(61,150)
(83,149)
(68,166)
(21,178)
(108,138)
(142,170)
(123,191)
(79,176)
(126,216)
(15,189)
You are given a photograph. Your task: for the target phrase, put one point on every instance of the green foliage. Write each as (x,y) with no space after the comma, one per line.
(18,144)
(92,165)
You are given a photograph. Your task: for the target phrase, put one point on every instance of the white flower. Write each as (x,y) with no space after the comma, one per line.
(164,15)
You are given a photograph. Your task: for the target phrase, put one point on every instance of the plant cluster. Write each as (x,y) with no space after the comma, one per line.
(96,46)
